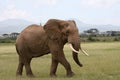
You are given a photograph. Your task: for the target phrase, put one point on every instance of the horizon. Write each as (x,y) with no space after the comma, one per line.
(97,12)
(17,25)
(36,22)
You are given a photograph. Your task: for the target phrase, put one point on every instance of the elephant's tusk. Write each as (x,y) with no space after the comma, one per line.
(73,48)
(85,52)
(78,51)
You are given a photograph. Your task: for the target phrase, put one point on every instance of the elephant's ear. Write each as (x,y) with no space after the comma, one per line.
(54,28)
(72,21)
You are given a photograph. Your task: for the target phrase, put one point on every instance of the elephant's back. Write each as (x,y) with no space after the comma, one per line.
(32,31)
(33,38)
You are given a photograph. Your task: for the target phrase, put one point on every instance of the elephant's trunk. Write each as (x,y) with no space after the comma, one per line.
(74,42)
(75,55)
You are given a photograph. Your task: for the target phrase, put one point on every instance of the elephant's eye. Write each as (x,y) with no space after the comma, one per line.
(67,32)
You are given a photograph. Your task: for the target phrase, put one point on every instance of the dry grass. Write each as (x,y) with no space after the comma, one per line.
(102,64)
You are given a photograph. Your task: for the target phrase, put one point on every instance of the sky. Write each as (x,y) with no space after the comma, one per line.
(87,11)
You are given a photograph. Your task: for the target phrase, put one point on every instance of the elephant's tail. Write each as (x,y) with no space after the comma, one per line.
(17,49)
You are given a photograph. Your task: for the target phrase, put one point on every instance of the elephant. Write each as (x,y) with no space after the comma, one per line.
(36,40)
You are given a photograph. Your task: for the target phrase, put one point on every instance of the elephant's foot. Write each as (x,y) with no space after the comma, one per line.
(70,74)
(18,75)
(53,75)
(30,75)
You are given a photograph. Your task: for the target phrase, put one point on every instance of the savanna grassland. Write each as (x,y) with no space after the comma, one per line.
(102,64)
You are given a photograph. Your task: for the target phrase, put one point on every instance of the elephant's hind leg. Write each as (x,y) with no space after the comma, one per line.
(28,67)
(20,67)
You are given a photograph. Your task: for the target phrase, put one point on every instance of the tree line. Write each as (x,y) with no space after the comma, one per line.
(90,35)
(8,38)
(94,34)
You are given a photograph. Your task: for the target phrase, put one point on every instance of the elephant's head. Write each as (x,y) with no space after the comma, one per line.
(62,32)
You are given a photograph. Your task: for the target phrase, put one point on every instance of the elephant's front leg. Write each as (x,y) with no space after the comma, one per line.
(67,66)
(53,67)
(60,57)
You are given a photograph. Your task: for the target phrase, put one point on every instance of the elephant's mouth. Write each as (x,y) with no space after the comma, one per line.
(78,51)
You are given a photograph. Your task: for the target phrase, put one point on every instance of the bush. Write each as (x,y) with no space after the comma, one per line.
(7,40)
(116,39)
(91,38)
(100,39)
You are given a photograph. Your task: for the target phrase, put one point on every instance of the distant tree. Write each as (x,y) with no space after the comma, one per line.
(92,32)
(5,35)
(14,35)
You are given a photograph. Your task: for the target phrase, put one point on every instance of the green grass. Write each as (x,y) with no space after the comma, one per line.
(102,64)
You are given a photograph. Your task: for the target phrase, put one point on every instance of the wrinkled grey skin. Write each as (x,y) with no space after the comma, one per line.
(36,41)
